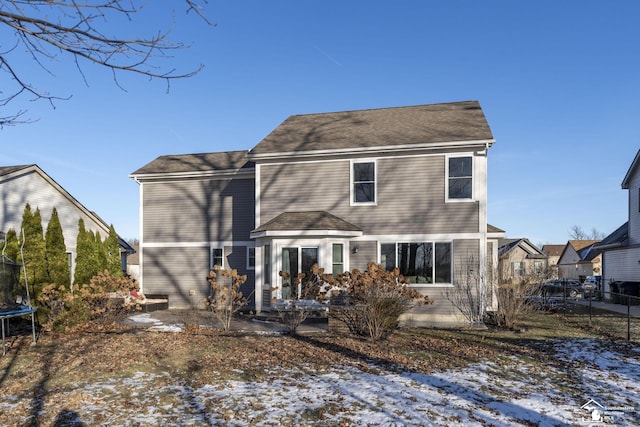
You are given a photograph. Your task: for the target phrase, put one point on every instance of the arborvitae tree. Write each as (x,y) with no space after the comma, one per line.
(34,249)
(56,250)
(114,264)
(100,254)
(84,254)
(12,246)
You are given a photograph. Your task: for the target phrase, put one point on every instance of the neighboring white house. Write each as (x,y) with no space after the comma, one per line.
(24,184)
(621,249)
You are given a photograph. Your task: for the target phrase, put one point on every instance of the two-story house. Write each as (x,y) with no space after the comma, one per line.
(404,187)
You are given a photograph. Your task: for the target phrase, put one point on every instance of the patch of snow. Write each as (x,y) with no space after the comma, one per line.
(507,392)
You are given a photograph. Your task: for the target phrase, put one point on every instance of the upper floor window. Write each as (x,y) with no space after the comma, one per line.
(460,178)
(363,182)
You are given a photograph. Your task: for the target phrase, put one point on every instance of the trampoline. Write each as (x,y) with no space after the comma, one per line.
(15,299)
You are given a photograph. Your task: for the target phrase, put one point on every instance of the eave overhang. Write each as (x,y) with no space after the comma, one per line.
(474,144)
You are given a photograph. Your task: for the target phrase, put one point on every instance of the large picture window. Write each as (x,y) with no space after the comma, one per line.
(424,262)
(460,179)
(363,178)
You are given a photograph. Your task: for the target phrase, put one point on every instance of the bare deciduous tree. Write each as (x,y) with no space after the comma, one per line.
(83,32)
(577,233)
(470,293)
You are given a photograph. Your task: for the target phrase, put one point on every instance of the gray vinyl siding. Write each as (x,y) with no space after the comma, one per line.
(466,256)
(236,258)
(621,265)
(410,195)
(179,271)
(634,210)
(198,210)
(441,307)
(175,272)
(367,252)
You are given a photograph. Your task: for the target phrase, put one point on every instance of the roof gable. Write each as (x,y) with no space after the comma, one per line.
(508,245)
(631,172)
(308,222)
(15,172)
(577,247)
(367,130)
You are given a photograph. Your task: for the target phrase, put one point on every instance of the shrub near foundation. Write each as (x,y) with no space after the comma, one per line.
(374,300)
(104,300)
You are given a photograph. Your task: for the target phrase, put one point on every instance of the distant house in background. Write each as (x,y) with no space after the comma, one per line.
(518,259)
(553,253)
(621,249)
(24,184)
(579,259)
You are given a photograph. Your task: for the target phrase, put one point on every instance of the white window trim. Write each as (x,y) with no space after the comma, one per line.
(352,201)
(473,179)
(249,266)
(211,264)
(422,285)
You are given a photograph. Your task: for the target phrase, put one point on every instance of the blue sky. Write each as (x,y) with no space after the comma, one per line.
(559,82)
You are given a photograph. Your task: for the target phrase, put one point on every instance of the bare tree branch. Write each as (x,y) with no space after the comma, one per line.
(57,29)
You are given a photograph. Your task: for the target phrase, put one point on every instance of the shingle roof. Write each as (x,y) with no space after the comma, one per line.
(312,220)
(553,250)
(385,127)
(493,229)
(204,162)
(579,245)
(632,169)
(5,170)
(618,238)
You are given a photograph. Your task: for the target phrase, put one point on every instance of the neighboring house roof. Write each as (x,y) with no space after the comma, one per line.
(631,172)
(6,170)
(183,164)
(377,129)
(583,248)
(493,229)
(553,250)
(507,245)
(620,237)
(318,221)
(589,253)
(579,245)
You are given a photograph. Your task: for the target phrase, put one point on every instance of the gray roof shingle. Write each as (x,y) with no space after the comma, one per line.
(384,127)
(312,220)
(204,162)
(5,170)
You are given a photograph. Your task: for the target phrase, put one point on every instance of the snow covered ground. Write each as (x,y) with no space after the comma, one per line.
(588,381)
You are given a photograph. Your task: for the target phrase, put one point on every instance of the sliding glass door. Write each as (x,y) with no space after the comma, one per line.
(296,260)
